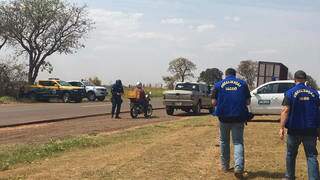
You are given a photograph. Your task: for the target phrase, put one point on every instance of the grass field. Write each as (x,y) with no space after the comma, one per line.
(7,100)
(155,92)
(185,149)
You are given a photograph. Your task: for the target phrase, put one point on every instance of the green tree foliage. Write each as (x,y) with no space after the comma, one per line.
(211,76)
(312,82)
(40,28)
(95,80)
(182,69)
(248,70)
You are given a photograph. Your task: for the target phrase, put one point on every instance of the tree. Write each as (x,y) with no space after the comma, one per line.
(312,82)
(248,70)
(182,69)
(40,28)
(211,76)
(13,76)
(169,80)
(96,81)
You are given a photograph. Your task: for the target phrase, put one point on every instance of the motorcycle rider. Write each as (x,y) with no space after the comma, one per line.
(141,97)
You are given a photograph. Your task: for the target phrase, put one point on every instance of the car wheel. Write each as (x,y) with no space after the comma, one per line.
(91,96)
(170,110)
(197,108)
(101,98)
(66,97)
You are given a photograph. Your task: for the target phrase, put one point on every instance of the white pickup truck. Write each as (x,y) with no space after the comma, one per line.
(267,99)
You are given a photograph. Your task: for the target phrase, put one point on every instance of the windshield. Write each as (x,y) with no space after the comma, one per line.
(63,83)
(187,87)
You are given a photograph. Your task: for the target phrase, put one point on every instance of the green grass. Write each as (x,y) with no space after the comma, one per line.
(10,156)
(155,92)
(7,100)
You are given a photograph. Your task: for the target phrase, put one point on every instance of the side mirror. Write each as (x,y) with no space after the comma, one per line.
(255,92)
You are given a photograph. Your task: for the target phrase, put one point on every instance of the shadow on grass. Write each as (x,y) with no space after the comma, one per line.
(265,174)
(191,114)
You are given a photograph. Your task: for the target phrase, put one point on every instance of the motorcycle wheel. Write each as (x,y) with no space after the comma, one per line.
(149,111)
(134,112)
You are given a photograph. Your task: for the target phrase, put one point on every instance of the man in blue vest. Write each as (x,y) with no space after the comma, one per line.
(231,97)
(300,115)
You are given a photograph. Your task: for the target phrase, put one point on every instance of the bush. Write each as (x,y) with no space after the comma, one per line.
(7,100)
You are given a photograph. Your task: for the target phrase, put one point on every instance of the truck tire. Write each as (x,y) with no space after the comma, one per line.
(197,109)
(170,111)
(91,96)
(101,98)
(66,97)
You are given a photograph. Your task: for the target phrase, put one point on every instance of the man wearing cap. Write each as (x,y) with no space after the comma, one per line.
(231,97)
(300,115)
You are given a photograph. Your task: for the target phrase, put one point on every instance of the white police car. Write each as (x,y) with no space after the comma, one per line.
(267,99)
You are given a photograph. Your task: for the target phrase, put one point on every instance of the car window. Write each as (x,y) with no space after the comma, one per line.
(269,89)
(63,83)
(77,84)
(284,87)
(47,83)
(187,87)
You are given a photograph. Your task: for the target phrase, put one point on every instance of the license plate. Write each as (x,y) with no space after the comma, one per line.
(264,102)
(178,104)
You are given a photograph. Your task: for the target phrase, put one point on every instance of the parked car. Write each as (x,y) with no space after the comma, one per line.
(267,99)
(93,92)
(54,88)
(188,97)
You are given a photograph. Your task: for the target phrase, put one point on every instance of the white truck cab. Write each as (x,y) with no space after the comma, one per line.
(267,99)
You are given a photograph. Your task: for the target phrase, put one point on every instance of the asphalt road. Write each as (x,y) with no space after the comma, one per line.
(25,113)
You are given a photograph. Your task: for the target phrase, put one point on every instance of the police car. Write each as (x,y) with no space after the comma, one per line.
(267,99)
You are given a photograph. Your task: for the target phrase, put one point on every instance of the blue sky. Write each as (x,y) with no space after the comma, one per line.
(135,40)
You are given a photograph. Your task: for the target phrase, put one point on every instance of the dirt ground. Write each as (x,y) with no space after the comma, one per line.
(57,130)
(186,149)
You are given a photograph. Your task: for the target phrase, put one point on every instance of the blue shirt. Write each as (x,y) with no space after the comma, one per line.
(232,95)
(304,110)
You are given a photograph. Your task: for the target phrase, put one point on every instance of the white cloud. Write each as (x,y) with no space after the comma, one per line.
(220,45)
(177,21)
(204,27)
(232,18)
(110,24)
(154,35)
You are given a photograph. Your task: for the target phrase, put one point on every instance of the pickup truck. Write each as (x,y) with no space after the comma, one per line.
(188,96)
(267,99)
(54,88)
(93,92)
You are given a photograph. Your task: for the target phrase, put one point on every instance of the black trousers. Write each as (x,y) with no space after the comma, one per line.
(116,107)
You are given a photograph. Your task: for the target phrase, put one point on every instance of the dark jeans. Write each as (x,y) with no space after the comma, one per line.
(116,107)
(310,148)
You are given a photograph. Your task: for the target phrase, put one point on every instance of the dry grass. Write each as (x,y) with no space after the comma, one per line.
(186,149)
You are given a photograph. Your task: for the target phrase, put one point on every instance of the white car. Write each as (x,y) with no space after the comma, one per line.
(267,99)
(93,92)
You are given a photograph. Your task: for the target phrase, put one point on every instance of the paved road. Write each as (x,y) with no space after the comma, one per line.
(25,113)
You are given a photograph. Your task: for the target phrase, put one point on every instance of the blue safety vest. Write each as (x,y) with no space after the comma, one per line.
(304,107)
(232,98)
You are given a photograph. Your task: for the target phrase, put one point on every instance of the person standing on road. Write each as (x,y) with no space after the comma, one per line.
(300,115)
(231,97)
(117,92)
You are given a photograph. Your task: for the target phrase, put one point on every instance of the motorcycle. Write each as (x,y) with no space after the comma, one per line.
(137,108)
